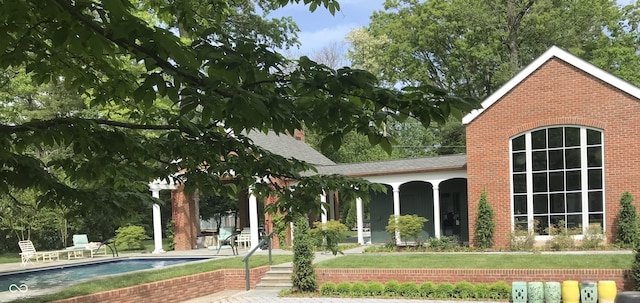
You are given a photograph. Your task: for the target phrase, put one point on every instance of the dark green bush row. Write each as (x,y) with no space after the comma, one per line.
(460,290)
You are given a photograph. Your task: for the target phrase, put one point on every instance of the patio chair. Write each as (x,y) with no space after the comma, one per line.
(81,244)
(244,238)
(29,252)
(227,237)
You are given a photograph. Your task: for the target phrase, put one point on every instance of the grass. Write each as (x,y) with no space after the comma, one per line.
(493,261)
(127,280)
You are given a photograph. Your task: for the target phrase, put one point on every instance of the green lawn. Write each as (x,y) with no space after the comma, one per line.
(519,261)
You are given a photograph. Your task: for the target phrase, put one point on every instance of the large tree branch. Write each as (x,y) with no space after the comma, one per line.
(48,124)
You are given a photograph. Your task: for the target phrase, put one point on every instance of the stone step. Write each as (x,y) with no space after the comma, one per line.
(279,277)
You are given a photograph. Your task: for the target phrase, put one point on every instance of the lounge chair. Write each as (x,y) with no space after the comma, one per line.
(244,238)
(29,252)
(81,244)
(226,237)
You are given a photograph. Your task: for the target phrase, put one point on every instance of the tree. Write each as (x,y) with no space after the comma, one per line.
(408,226)
(217,208)
(627,233)
(166,104)
(472,47)
(485,225)
(304,276)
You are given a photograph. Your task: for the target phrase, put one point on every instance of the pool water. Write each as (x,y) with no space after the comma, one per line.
(56,277)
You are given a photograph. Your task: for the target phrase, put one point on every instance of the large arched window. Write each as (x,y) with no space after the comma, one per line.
(557,175)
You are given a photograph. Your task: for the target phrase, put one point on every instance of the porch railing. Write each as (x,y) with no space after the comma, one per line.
(267,240)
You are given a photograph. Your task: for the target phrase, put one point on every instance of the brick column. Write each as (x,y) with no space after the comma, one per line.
(183,212)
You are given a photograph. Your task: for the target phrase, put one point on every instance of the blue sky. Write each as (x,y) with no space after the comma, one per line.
(320,28)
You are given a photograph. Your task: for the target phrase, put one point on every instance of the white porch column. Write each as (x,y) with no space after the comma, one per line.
(360,221)
(396,208)
(436,209)
(157,223)
(253,219)
(323,216)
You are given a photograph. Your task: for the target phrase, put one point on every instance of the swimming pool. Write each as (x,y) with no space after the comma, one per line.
(51,279)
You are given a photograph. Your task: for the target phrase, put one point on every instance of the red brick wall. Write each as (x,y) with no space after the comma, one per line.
(177,289)
(183,213)
(620,276)
(555,94)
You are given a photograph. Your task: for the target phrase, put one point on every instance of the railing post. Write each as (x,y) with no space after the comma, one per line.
(247,278)
(267,239)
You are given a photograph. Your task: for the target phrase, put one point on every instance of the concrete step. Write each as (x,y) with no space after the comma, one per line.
(279,277)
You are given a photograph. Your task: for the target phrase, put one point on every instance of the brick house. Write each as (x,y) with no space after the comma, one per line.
(554,144)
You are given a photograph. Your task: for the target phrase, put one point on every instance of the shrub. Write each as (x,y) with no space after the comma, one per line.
(593,237)
(171,234)
(500,291)
(392,288)
(408,226)
(359,289)
(443,290)
(304,276)
(522,239)
(444,243)
(635,269)
(409,289)
(463,290)
(561,237)
(329,234)
(482,291)
(328,289)
(343,288)
(627,222)
(375,289)
(427,290)
(131,237)
(485,226)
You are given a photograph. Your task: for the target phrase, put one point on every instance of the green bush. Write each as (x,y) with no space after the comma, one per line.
(485,226)
(463,290)
(304,276)
(392,288)
(500,291)
(375,289)
(409,289)
(171,234)
(522,239)
(328,289)
(561,237)
(593,237)
(427,290)
(444,290)
(131,237)
(358,289)
(444,243)
(627,222)
(482,291)
(408,226)
(635,268)
(329,235)
(343,288)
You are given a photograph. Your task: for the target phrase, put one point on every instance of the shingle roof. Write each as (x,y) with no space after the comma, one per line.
(413,165)
(288,147)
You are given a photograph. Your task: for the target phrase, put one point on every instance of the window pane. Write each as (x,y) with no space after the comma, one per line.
(557,203)
(541,224)
(539,182)
(555,220)
(595,179)
(539,160)
(520,205)
(573,181)
(539,139)
(571,136)
(594,156)
(519,183)
(555,137)
(540,204)
(596,219)
(519,162)
(518,143)
(595,201)
(574,202)
(556,159)
(521,223)
(593,137)
(574,221)
(556,181)
(572,158)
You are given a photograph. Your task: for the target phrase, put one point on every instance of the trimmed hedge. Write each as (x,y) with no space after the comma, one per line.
(460,290)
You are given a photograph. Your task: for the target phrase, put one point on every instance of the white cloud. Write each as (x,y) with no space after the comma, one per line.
(315,40)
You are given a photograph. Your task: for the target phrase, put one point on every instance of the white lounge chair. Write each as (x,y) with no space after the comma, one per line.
(29,253)
(81,244)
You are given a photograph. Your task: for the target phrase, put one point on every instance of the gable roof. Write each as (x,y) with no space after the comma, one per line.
(558,53)
(288,147)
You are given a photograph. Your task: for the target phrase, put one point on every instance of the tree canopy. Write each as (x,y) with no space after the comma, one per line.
(175,86)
